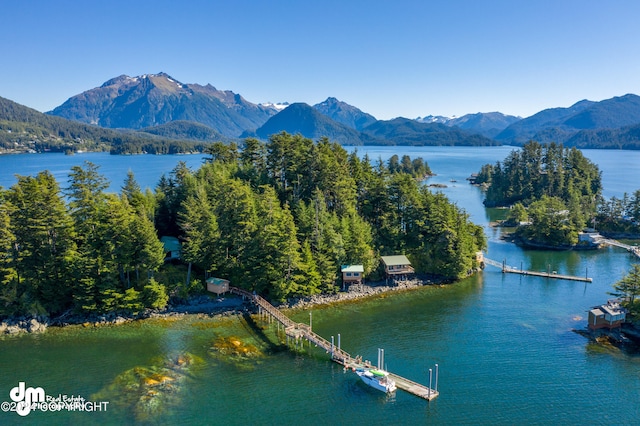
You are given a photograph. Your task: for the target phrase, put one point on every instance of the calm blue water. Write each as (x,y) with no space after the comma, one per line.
(504,343)
(147,168)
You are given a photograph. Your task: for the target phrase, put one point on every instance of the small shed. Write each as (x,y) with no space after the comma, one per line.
(609,315)
(172,248)
(217,285)
(352,274)
(397,267)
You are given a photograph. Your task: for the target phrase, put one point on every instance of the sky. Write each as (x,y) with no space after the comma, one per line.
(388,58)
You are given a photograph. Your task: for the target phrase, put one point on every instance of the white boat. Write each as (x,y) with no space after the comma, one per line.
(377,379)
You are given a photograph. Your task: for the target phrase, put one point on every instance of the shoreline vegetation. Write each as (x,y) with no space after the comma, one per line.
(207,305)
(625,338)
(280,219)
(553,193)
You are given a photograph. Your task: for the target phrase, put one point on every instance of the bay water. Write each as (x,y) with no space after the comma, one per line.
(505,344)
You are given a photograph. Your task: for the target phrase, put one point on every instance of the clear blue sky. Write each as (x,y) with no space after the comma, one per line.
(388,58)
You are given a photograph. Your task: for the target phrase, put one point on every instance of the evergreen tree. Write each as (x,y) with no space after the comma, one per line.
(8,279)
(200,227)
(44,244)
(148,250)
(144,203)
(170,194)
(551,223)
(86,198)
(276,248)
(629,289)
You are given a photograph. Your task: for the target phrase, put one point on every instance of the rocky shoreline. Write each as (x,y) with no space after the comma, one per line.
(204,304)
(625,338)
(365,291)
(196,305)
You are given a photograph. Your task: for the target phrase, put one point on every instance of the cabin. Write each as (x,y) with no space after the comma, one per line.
(397,267)
(610,315)
(217,285)
(352,274)
(172,248)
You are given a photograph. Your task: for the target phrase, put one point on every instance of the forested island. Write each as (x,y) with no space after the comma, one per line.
(553,194)
(278,218)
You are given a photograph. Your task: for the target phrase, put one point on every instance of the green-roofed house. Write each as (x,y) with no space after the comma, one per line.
(352,274)
(397,267)
(172,248)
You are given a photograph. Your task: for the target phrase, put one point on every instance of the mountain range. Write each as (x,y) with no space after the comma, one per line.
(158,107)
(150,100)
(486,123)
(586,124)
(154,99)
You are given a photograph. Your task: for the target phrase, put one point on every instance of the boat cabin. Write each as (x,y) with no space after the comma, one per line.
(609,315)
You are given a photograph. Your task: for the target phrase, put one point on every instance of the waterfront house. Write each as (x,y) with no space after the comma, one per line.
(397,267)
(172,248)
(590,237)
(217,285)
(610,315)
(352,274)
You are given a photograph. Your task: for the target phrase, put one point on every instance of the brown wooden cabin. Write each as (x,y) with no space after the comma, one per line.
(397,267)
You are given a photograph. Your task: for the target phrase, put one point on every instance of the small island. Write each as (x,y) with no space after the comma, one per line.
(553,195)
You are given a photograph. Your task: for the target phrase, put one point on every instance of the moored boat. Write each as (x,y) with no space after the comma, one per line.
(377,379)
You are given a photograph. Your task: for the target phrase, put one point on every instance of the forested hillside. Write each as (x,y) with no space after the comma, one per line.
(24,129)
(278,218)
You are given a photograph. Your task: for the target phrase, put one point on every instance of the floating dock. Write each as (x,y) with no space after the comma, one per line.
(511,270)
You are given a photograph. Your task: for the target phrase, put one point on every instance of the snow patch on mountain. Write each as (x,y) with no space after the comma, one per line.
(276,106)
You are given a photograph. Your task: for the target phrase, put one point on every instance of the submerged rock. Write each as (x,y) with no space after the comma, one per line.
(233,346)
(232,350)
(149,391)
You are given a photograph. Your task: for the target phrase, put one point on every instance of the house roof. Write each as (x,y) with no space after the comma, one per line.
(400,259)
(612,309)
(170,243)
(217,281)
(352,268)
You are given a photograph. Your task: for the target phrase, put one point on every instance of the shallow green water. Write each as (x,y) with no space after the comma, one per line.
(504,344)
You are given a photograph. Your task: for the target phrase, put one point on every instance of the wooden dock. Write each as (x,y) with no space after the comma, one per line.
(299,331)
(635,250)
(549,274)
